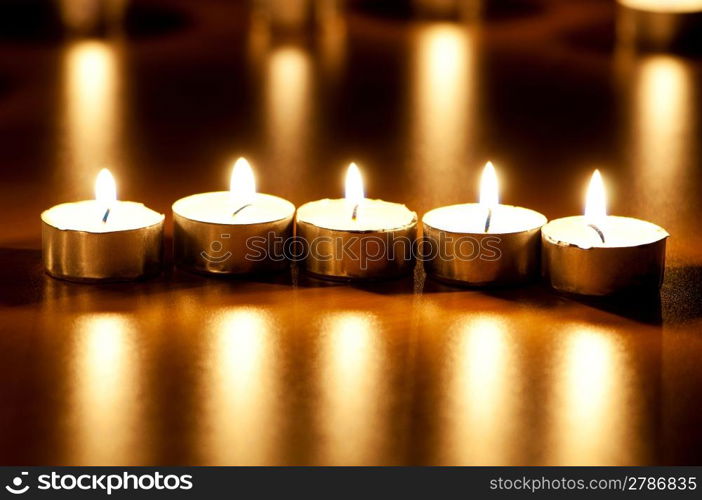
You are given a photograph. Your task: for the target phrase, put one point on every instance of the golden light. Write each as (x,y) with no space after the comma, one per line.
(482,387)
(106,394)
(241,412)
(353,416)
(354,186)
(105,189)
(489,190)
(242,184)
(289,105)
(592,414)
(596,203)
(92,112)
(673,6)
(443,105)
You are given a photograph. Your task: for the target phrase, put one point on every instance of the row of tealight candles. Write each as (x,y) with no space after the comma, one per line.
(241,231)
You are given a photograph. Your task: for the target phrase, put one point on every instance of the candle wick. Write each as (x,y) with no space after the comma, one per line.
(598,231)
(107,214)
(354,214)
(488,220)
(240,209)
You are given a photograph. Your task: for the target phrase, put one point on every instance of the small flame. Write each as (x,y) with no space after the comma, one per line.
(354,187)
(242,185)
(105,189)
(596,202)
(489,196)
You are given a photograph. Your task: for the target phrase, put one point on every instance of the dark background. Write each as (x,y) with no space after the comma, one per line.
(185,369)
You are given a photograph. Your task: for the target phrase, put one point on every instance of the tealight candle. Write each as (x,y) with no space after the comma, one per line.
(660,24)
(238,231)
(356,237)
(485,243)
(600,254)
(102,239)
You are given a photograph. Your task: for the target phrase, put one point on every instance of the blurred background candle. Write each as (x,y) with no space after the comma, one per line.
(483,243)
(661,24)
(600,254)
(356,237)
(232,232)
(102,239)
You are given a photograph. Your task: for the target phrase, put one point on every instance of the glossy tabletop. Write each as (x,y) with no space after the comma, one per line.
(186,369)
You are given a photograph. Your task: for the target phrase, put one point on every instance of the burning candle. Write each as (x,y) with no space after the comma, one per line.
(102,239)
(600,254)
(660,24)
(485,243)
(356,237)
(238,231)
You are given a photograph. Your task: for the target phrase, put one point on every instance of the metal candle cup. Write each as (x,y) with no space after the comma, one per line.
(363,254)
(110,253)
(573,267)
(457,249)
(355,238)
(660,24)
(224,243)
(600,254)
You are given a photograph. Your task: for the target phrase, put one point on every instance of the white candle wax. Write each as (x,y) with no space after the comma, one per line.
(88,216)
(372,215)
(470,218)
(618,232)
(220,207)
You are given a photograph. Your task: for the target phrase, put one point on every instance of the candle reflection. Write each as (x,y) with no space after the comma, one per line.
(483,384)
(353,417)
(443,104)
(92,16)
(288,109)
(663,130)
(241,411)
(106,410)
(665,121)
(593,415)
(91,105)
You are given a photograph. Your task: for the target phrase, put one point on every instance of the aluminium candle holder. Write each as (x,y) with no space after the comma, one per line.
(229,249)
(363,255)
(85,256)
(601,271)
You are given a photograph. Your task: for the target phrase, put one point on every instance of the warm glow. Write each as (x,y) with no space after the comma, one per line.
(91,109)
(354,417)
(106,401)
(482,387)
(241,414)
(678,6)
(596,203)
(489,196)
(592,414)
(242,184)
(289,105)
(105,189)
(354,186)
(443,104)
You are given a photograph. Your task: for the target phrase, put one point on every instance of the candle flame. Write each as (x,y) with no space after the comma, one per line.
(596,202)
(489,191)
(105,189)
(354,187)
(242,185)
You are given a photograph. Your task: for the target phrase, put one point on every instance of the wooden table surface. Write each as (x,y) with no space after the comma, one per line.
(185,369)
